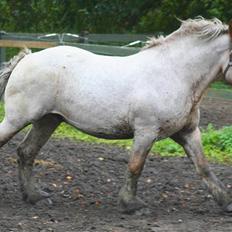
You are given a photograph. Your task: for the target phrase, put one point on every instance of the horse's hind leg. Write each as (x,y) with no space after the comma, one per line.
(190,139)
(27,151)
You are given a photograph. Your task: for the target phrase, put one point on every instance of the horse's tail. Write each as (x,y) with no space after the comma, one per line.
(8,67)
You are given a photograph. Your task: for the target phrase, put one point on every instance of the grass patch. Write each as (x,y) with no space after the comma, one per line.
(217,143)
(220,85)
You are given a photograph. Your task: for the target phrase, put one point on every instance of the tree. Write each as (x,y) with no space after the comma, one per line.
(106,16)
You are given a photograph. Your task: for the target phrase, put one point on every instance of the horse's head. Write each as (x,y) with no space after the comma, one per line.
(227,66)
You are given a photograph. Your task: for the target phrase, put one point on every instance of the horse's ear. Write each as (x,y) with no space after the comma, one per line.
(230,29)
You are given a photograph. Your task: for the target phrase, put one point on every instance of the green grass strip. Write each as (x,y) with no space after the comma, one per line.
(217,143)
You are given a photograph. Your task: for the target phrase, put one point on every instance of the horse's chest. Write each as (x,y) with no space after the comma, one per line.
(172,123)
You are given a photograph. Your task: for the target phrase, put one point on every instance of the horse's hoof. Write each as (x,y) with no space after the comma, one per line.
(228,208)
(35,196)
(143,212)
(133,205)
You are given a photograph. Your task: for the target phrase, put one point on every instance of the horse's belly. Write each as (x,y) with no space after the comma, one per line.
(101,127)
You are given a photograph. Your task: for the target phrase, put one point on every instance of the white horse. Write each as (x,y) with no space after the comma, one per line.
(148,96)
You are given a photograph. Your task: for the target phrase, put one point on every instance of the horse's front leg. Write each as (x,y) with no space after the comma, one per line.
(190,139)
(128,202)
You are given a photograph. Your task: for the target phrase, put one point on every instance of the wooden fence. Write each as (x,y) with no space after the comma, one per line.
(105,44)
(96,43)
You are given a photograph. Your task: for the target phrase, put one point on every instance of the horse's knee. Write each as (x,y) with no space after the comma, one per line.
(136,163)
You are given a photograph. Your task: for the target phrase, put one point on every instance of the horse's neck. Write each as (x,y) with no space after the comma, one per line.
(200,65)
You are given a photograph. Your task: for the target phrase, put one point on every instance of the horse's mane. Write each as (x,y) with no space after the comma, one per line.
(200,27)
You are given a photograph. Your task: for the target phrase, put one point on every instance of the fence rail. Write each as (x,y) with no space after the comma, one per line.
(95,43)
(22,43)
(90,38)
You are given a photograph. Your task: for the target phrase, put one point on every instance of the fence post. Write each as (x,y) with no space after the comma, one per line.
(2,50)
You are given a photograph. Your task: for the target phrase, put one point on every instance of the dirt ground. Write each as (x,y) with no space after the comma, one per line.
(84,180)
